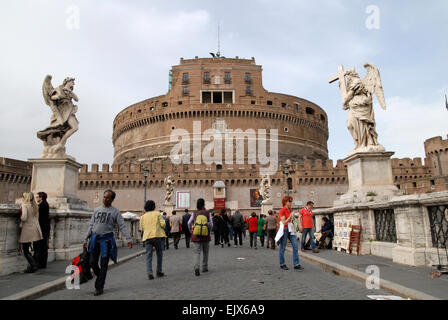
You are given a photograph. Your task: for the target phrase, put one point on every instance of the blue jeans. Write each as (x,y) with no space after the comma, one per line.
(230,232)
(295,249)
(151,244)
(309,231)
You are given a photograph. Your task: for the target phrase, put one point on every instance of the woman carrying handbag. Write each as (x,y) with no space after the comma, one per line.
(31,231)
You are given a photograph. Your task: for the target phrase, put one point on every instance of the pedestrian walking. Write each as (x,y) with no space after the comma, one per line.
(101,234)
(200,224)
(176,223)
(166,243)
(185,228)
(216,231)
(229,226)
(261,229)
(252,222)
(271,227)
(31,232)
(287,232)
(152,225)
(237,223)
(225,229)
(41,246)
(306,214)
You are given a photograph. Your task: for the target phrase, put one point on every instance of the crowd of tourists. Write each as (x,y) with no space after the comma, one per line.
(274,229)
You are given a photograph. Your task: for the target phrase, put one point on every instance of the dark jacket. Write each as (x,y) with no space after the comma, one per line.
(185,219)
(237,220)
(328,226)
(44,218)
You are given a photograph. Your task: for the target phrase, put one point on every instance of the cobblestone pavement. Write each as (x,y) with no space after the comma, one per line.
(257,276)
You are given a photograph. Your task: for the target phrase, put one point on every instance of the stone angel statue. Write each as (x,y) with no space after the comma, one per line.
(265,189)
(63,122)
(169,186)
(357,97)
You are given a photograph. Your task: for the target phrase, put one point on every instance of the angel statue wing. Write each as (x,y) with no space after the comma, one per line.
(372,82)
(47,91)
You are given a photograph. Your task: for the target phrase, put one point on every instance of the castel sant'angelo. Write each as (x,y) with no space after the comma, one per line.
(227,95)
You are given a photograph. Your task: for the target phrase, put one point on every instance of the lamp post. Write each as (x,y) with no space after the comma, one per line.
(286,172)
(145,174)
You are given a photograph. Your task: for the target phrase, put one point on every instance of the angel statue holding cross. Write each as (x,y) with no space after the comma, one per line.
(357,97)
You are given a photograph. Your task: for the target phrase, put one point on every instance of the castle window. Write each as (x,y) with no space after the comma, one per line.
(219,167)
(248,78)
(252,102)
(248,90)
(286,129)
(164,104)
(289,182)
(310,111)
(269,103)
(433,183)
(185,91)
(151,108)
(322,117)
(228,97)
(206,97)
(227,78)
(179,102)
(296,105)
(283,105)
(217,97)
(206,77)
(185,77)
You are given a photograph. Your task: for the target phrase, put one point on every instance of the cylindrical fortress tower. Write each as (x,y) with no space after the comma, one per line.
(221,93)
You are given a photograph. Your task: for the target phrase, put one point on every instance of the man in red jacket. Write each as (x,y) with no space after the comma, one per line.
(253,229)
(308,225)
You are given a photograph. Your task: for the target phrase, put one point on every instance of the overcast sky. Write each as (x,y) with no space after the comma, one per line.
(123,50)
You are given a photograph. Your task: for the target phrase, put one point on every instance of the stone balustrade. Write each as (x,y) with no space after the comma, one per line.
(413,219)
(66,236)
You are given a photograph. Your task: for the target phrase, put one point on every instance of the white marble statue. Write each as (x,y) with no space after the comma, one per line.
(265,189)
(169,186)
(357,97)
(63,122)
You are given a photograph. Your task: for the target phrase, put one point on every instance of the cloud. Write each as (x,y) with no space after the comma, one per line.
(408,122)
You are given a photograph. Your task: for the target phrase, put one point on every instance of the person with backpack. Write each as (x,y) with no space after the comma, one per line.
(237,223)
(185,228)
(200,224)
(153,226)
(252,223)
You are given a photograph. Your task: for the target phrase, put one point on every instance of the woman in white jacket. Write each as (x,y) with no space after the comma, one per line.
(30,228)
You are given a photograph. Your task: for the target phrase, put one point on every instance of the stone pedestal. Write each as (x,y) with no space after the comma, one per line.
(56,177)
(168,208)
(370,178)
(265,207)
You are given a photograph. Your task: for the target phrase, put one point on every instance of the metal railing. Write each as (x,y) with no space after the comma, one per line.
(438,218)
(385,225)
